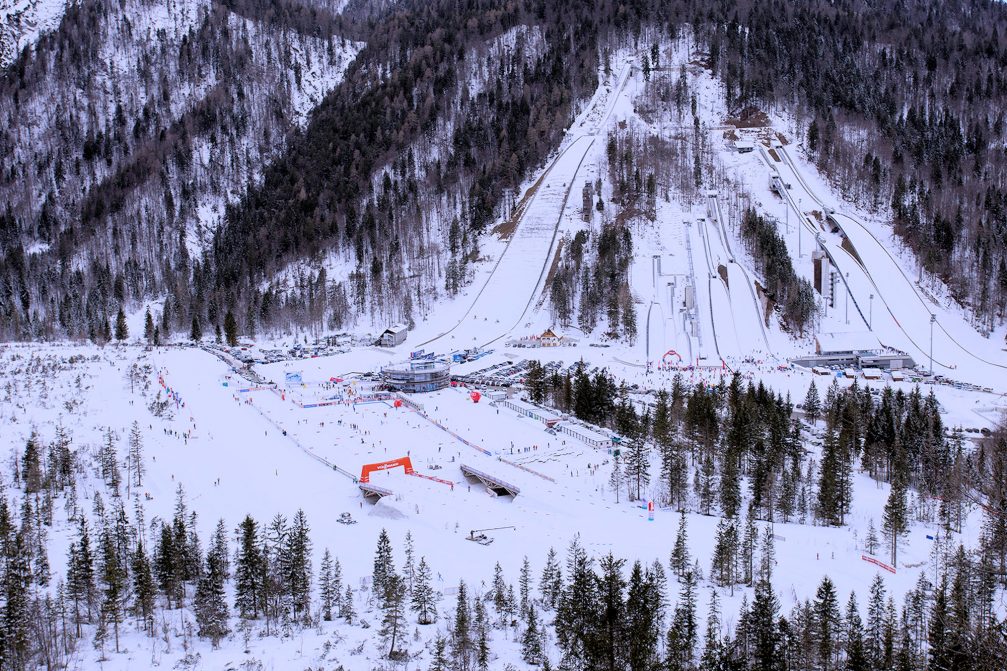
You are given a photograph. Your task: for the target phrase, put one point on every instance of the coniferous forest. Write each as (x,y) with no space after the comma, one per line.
(200,179)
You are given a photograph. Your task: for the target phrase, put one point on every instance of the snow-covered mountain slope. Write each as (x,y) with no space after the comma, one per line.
(134,125)
(23,21)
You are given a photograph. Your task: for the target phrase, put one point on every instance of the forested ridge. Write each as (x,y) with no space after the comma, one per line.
(376,208)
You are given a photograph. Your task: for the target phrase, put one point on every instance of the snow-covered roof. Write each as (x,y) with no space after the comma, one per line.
(852,341)
(396,328)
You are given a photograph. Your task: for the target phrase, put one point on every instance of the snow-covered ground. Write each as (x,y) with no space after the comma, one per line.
(241,452)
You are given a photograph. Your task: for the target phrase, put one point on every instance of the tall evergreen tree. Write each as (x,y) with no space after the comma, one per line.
(249,570)
(531,639)
(384,565)
(393,621)
(328,592)
(895,520)
(143,588)
(210,603)
(424,599)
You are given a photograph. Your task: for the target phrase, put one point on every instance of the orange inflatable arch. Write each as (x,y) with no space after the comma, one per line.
(404,462)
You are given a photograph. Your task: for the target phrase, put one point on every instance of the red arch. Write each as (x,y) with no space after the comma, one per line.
(404,462)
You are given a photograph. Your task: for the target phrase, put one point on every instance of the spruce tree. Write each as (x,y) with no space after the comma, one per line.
(608,645)
(230,329)
(825,611)
(196,332)
(249,570)
(895,521)
(680,560)
(148,326)
(346,609)
(135,455)
(424,600)
(531,640)
(812,404)
(143,588)
(616,478)
(16,615)
(209,603)
(409,569)
(383,565)
(828,504)
(765,633)
(710,660)
(297,576)
(871,539)
(856,656)
(113,577)
(328,593)
(121,329)
(551,583)
(439,658)
(524,583)
(462,643)
(393,620)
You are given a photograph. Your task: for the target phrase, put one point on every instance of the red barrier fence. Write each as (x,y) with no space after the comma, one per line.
(877,562)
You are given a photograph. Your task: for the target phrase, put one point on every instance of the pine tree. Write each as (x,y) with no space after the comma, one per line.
(531,640)
(230,329)
(393,621)
(638,467)
(121,329)
(424,600)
